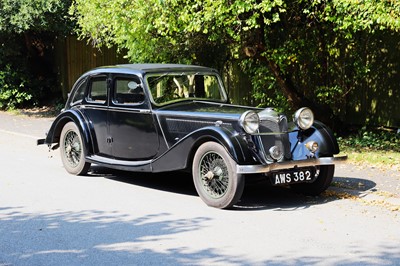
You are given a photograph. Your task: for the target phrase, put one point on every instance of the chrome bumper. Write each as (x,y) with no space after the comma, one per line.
(259,169)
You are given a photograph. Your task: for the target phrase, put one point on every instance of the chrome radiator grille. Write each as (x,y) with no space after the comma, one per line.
(267,138)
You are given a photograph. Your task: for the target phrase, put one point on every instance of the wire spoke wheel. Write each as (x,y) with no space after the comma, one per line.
(215,177)
(73,150)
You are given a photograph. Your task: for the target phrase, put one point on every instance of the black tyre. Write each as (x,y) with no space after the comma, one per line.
(73,150)
(323,181)
(215,177)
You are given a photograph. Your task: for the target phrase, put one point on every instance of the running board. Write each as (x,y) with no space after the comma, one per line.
(138,166)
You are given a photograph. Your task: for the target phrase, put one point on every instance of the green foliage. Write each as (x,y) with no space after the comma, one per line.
(329,95)
(372,139)
(370,15)
(149,30)
(294,52)
(28,29)
(13,89)
(318,48)
(374,147)
(264,86)
(17,16)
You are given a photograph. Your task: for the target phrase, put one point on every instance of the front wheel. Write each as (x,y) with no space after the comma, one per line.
(215,177)
(323,181)
(73,150)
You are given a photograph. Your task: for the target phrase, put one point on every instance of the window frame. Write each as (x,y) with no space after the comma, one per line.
(100,77)
(81,85)
(161,75)
(114,90)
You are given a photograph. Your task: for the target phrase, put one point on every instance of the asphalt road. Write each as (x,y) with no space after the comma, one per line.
(48,217)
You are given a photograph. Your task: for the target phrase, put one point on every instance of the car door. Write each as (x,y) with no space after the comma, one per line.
(95,108)
(131,124)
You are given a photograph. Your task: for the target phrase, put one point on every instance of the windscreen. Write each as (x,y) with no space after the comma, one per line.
(170,87)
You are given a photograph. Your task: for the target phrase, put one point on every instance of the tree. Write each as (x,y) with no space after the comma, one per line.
(306,51)
(28,29)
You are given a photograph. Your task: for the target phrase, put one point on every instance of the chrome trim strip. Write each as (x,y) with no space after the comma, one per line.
(270,133)
(211,123)
(109,161)
(126,109)
(97,107)
(259,169)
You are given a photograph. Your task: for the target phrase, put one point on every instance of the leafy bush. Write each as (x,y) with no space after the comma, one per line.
(372,140)
(14,89)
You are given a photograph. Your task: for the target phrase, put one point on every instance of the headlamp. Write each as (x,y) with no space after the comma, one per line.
(249,121)
(304,118)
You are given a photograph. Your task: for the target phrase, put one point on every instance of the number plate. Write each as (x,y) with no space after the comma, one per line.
(293,177)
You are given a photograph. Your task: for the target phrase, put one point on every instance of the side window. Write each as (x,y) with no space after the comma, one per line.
(128,91)
(79,93)
(98,90)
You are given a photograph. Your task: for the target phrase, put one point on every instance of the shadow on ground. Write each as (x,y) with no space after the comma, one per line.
(258,195)
(40,112)
(93,237)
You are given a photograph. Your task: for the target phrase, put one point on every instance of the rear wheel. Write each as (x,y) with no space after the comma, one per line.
(215,177)
(323,181)
(73,150)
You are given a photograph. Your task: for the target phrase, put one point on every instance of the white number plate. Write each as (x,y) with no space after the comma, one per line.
(293,177)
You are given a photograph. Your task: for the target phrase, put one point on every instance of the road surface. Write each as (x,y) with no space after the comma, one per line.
(48,217)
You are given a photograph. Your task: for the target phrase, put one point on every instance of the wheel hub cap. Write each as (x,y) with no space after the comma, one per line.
(214,175)
(72,148)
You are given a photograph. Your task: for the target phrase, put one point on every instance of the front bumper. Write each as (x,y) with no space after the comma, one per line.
(259,169)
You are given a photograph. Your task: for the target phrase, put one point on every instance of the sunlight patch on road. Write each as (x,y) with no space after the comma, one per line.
(18,134)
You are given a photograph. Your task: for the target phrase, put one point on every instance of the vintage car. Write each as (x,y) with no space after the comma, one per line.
(167,117)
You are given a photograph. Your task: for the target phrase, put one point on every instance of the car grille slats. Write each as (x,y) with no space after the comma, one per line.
(280,139)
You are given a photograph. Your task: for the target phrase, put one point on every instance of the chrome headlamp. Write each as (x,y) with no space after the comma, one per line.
(304,118)
(249,121)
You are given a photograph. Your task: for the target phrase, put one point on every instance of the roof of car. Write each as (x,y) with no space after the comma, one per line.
(151,68)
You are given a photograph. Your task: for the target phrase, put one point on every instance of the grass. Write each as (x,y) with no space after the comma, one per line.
(374,158)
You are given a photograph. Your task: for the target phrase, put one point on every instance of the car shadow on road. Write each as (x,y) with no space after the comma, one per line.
(174,182)
(257,195)
(356,184)
(262,196)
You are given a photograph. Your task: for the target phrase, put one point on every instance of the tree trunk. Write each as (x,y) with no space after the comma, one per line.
(255,47)
(296,99)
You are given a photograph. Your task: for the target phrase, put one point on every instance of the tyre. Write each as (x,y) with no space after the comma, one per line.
(323,181)
(73,150)
(215,177)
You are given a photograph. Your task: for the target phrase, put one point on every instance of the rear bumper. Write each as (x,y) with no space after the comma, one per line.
(259,169)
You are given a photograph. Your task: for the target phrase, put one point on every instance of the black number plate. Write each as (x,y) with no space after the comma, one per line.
(293,177)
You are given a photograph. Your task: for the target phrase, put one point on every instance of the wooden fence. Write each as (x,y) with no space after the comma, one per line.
(376,104)
(75,57)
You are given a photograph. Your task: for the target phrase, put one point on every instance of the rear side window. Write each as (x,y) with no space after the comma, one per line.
(98,90)
(79,93)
